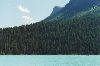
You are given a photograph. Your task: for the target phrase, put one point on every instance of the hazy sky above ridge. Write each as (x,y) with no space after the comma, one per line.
(20,12)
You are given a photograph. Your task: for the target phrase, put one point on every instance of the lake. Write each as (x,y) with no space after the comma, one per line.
(49,60)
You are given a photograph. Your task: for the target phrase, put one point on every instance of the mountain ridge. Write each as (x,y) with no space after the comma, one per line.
(55,10)
(72,8)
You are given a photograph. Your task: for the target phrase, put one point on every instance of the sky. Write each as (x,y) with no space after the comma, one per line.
(21,12)
(49,60)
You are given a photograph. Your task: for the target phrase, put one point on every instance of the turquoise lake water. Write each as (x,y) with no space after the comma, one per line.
(53,60)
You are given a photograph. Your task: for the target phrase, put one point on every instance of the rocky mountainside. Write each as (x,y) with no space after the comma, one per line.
(72,8)
(56,9)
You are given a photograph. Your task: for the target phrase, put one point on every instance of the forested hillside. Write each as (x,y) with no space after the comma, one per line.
(74,36)
(70,30)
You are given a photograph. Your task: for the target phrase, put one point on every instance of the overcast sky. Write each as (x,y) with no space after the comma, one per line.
(18,12)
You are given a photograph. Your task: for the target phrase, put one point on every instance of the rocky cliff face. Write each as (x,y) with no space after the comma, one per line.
(80,4)
(72,8)
(76,6)
(56,9)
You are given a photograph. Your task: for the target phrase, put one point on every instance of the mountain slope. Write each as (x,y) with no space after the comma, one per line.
(95,11)
(72,8)
(56,9)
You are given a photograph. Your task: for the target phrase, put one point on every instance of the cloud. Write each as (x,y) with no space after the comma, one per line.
(27,19)
(23,9)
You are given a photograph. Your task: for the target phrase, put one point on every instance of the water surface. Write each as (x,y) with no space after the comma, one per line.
(53,60)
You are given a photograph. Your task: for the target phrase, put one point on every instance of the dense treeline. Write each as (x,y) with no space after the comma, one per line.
(76,36)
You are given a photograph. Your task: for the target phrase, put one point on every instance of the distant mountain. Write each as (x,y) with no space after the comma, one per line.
(72,8)
(56,9)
